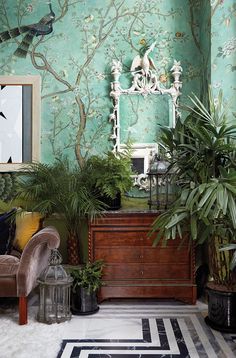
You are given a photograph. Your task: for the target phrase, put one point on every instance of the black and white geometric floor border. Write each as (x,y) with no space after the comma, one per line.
(166,333)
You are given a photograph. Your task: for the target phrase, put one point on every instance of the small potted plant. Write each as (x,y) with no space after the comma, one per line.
(109,176)
(86,282)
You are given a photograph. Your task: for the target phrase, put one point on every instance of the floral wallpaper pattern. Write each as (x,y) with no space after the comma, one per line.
(74,60)
(223,49)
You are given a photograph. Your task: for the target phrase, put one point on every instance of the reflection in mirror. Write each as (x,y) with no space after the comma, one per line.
(142,154)
(19,121)
(140,117)
(139,110)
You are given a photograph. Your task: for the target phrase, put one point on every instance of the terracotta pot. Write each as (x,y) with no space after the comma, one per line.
(221,310)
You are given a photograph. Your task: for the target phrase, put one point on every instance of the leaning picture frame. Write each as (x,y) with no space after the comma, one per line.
(20,113)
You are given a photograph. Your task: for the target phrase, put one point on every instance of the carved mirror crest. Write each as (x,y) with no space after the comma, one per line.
(139,109)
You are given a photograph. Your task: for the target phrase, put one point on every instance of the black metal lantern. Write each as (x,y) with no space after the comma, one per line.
(54,292)
(159,184)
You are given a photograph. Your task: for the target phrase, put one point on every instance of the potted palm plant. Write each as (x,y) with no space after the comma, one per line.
(109,176)
(202,151)
(59,188)
(86,282)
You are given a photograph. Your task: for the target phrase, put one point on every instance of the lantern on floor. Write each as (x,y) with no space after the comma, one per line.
(54,292)
(159,184)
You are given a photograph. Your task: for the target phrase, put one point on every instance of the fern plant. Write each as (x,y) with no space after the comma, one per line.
(202,149)
(87,276)
(110,174)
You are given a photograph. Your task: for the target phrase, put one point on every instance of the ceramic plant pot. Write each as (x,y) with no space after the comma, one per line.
(112,204)
(84,302)
(221,310)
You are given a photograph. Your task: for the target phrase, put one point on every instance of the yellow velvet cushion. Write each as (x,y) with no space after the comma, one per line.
(27,224)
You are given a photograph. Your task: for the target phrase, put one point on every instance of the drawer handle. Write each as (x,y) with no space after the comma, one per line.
(141,256)
(141,272)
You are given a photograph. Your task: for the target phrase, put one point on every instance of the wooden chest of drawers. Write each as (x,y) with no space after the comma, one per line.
(133,268)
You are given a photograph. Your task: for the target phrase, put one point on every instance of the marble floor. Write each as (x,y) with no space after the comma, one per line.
(121,328)
(144,329)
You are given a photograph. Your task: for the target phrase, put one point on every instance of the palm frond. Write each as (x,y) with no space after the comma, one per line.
(58,188)
(202,150)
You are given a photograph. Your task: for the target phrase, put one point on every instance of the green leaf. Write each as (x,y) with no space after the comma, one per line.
(179,230)
(176,219)
(233,262)
(225,202)
(184,195)
(204,234)
(193,226)
(157,239)
(232,209)
(193,196)
(201,110)
(220,196)
(173,232)
(208,205)
(206,196)
(228,247)
(230,188)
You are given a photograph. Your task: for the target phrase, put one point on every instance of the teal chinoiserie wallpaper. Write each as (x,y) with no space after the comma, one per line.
(223,48)
(73,48)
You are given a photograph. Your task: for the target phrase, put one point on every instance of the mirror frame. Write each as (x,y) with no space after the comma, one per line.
(35,82)
(144,83)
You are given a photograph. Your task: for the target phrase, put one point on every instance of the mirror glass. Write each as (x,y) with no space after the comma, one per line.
(141,116)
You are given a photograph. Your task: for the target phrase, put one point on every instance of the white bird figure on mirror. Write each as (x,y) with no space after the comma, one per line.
(145,63)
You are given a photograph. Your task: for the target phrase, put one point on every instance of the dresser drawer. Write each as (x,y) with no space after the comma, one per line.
(166,271)
(120,237)
(122,272)
(166,255)
(131,237)
(141,254)
(119,254)
(146,271)
(127,219)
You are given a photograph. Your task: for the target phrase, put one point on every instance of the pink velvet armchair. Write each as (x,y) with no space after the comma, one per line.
(19,276)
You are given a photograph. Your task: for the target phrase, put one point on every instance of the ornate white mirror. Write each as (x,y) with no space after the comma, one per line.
(139,109)
(19,121)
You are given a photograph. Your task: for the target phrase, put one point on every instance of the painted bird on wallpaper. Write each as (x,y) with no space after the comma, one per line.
(43,27)
(145,62)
